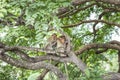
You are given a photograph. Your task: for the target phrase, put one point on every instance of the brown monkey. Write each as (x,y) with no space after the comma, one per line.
(52,42)
(61,45)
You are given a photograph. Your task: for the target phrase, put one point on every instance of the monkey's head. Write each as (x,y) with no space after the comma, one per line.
(62,38)
(54,36)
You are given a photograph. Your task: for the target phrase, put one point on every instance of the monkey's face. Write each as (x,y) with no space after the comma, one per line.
(54,36)
(62,39)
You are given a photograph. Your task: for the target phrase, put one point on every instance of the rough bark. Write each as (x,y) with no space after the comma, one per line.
(112,76)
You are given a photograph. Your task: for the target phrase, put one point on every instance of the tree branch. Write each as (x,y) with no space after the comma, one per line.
(115,2)
(78,2)
(91,21)
(73,11)
(42,75)
(99,18)
(116,9)
(98,45)
(111,76)
(114,42)
(52,57)
(32,66)
(71,56)
(78,62)
(67,11)
(24,56)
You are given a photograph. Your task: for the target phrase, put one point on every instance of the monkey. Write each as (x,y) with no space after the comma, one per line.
(52,42)
(58,44)
(61,45)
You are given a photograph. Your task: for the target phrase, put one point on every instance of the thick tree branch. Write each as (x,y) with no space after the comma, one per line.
(98,45)
(101,51)
(78,62)
(32,66)
(111,76)
(24,56)
(14,48)
(72,57)
(51,57)
(114,42)
(42,75)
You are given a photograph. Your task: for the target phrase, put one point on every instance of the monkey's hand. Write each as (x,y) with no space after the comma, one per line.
(61,52)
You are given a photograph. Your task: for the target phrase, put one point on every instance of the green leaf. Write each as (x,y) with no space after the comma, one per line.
(87,72)
(1,15)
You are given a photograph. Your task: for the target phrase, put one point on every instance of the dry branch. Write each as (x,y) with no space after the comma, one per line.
(110,45)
